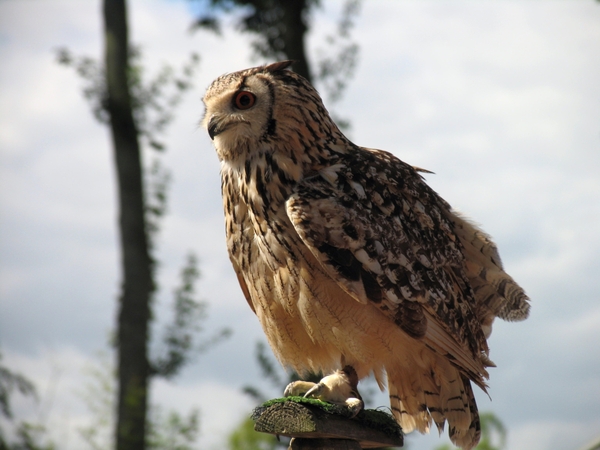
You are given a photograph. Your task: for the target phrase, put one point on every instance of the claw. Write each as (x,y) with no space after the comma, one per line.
(339,388)
(315,392)
(298,388)
(355,405)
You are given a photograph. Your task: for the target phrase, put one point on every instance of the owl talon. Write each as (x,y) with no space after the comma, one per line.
(338,388)
(298,388)
(315,391)
(355,405)
(320,391)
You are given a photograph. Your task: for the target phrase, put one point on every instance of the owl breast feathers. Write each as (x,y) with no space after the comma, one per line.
(349,258)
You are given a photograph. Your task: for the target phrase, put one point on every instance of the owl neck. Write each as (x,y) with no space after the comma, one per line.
(266,178)
(263,181)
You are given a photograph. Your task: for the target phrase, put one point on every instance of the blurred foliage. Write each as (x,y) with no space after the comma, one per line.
(188,315)
(9,383)
(171,431)
(19,434)
(28,436)
(99,396)
(153,100)
(166,430)
(337,62)
(245,438)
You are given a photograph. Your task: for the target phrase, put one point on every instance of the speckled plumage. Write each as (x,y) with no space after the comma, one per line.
(347,257)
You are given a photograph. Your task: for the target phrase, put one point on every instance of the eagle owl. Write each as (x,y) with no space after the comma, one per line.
(352,263)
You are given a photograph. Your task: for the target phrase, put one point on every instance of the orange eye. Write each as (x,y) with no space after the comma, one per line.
(244,100)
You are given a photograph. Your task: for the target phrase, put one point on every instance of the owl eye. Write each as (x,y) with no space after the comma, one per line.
(244,100)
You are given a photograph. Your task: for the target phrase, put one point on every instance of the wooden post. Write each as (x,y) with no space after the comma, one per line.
(317,425)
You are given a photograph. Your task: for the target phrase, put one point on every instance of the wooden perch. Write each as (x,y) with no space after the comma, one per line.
(318,425)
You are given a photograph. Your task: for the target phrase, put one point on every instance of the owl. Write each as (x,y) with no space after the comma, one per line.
(353,265)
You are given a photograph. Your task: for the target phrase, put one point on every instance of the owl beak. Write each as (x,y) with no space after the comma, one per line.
(213,127)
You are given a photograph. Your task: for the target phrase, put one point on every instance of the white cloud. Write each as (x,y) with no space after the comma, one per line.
(498,98)
(540,435)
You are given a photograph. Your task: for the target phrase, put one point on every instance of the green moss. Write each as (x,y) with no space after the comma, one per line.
(329,407)
(380,420)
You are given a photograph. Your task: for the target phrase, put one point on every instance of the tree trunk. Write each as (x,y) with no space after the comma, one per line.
(134,312)
(295,32)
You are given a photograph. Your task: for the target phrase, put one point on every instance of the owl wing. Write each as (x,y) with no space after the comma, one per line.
(384,236)
(243,285)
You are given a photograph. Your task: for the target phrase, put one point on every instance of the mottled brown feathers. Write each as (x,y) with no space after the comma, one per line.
(349,258)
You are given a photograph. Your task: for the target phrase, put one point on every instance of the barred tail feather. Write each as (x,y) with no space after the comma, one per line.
(441,395)
(467,438)
(408,404)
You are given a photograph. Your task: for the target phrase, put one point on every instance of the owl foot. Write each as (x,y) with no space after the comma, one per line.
(298,388)
(340,388)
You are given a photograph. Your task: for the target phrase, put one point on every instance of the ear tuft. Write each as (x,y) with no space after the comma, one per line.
(277,66)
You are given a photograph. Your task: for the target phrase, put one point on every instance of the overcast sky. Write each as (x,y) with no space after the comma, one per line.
(500,99)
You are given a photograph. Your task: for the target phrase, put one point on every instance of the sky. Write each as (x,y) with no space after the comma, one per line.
(498,98)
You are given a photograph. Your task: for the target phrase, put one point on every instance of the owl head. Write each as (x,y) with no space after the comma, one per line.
(266,108)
